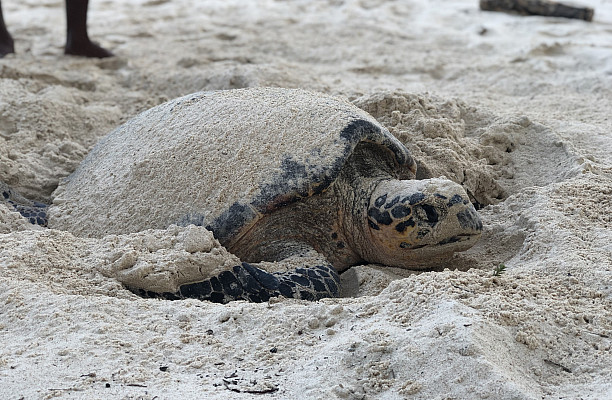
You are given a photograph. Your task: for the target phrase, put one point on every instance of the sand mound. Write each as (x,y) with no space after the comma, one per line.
(491,155)
(539,327)
(513,108)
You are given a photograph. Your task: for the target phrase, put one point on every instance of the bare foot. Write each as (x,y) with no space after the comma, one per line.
(87,49)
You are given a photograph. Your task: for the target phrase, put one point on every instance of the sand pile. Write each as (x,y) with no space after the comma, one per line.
(513,108)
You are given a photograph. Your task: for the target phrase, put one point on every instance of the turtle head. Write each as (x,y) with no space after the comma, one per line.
(418,223)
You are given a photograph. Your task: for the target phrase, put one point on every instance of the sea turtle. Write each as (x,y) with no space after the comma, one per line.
(302,179)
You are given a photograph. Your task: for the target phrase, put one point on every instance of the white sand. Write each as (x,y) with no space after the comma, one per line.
(515,108)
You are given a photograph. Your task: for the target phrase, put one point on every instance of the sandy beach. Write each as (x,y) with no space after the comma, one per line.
(516,109)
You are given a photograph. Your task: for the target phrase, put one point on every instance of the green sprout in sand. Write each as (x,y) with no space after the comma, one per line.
(500,269)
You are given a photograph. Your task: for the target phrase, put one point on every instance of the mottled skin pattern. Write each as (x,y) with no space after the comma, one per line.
(34,211)
(417,224)
(246,282)
(400,213)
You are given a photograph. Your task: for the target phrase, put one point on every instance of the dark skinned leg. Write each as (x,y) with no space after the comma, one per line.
(77,39)
(6,41)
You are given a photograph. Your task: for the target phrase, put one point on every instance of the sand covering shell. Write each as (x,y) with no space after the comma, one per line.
(218,159)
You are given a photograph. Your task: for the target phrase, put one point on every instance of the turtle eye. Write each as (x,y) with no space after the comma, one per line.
(431,214)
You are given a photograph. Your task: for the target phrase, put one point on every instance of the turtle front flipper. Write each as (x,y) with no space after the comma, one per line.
(248,282)
(299,272)
(34,211)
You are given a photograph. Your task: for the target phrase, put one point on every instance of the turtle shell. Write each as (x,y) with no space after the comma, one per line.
(219,159)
